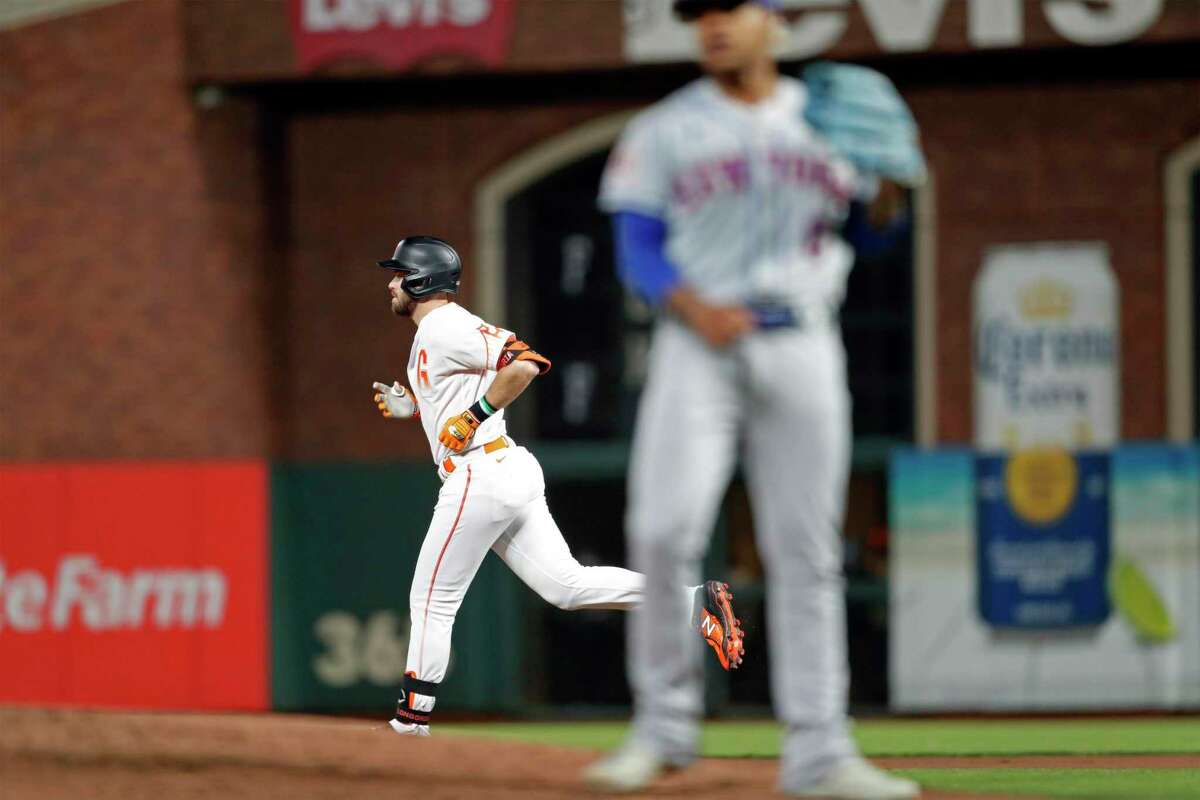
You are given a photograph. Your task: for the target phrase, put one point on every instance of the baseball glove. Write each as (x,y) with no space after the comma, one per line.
(864,118)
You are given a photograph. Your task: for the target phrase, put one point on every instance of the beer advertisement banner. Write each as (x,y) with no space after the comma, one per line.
(1046,413)
(134,585)
(1056,622)
(1046,349)
(1043,528)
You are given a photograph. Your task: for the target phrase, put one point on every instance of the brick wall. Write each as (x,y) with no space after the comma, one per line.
(359,181)
(184,281)
(131,285)
(1056,163)
(243,41)
(1013,163)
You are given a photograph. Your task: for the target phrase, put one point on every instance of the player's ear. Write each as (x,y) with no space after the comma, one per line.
(779,34)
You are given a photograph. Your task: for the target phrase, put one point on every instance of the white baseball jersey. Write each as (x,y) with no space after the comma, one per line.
(750,194)
(490,501)
(454,359)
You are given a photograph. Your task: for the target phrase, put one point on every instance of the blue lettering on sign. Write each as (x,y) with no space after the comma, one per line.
(1038,576)
(1005,354)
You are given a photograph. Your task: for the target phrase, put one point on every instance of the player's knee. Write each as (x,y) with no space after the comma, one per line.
(416,609)
(807,568)
(667,534)
(432,604)
(663,544)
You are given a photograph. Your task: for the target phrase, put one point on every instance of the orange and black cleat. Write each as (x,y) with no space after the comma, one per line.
(713,617)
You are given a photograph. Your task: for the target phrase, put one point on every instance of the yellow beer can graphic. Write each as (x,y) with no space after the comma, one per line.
(1041,483)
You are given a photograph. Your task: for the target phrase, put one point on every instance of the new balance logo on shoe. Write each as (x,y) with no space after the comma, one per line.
(717,624)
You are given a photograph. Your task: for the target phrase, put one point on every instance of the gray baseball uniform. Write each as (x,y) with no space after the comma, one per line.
(750,196)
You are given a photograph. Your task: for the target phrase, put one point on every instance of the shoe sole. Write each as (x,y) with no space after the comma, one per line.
(600,782)
(398,727)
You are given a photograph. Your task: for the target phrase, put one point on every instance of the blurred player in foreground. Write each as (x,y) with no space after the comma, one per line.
(463,373)
(726,197)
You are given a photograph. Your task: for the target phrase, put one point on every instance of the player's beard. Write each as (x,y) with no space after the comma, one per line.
(403,305)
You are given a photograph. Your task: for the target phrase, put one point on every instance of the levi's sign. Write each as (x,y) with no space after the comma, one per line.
(653,34)
(400,33)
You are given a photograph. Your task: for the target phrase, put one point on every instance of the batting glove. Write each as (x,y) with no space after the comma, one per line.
(458,430)
(395,401)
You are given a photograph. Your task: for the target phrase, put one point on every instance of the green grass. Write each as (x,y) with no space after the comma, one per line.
(1015,737)
(1094,784)
(932,737)
(894,737)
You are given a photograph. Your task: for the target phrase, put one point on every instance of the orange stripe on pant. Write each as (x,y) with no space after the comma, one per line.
(437,565)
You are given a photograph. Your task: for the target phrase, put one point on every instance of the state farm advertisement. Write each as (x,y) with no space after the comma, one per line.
(134,585)
(400,33)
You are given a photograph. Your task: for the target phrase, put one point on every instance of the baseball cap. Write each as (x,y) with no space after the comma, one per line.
(689,10)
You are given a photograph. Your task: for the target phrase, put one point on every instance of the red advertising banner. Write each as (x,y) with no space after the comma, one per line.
(400,33)
(134,585)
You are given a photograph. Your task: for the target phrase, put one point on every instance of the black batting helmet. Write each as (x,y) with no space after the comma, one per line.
(428,264)
(689,10)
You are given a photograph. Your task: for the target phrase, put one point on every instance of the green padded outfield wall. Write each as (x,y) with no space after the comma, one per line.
(344,538)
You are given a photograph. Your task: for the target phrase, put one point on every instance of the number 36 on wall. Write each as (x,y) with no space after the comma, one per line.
(373,651)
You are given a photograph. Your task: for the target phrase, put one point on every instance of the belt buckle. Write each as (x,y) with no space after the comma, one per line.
(770,315)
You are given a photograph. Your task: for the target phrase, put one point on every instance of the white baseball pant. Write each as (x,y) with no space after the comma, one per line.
(497,501)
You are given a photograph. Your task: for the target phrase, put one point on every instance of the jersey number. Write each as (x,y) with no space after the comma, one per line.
(423,367)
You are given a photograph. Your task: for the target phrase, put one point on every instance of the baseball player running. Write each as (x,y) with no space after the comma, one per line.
(726,197)
(464,372)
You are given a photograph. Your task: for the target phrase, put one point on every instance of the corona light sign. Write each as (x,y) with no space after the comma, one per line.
(1046,416)
(1046,348)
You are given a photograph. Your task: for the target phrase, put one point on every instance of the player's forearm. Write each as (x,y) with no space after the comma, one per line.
(719,325)
(684,302)
(510,383)
(889,205)
(641,256)
(874,229)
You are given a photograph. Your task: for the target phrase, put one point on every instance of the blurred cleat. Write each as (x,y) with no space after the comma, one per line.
(713,617)
(855,779)
(626,769)
(409,728)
